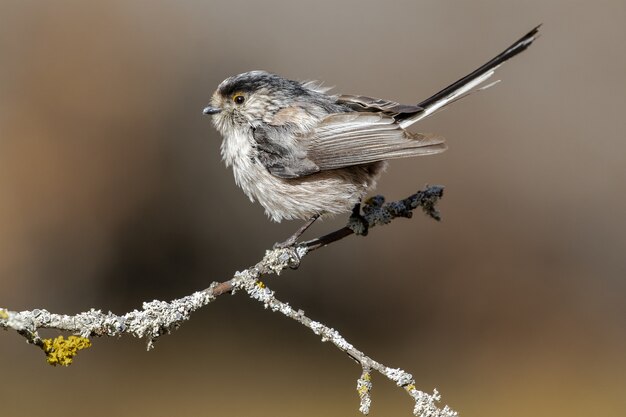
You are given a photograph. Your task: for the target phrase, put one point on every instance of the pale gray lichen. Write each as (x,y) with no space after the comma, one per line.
(154,319)
(400,377)
(425,405)
(328,333)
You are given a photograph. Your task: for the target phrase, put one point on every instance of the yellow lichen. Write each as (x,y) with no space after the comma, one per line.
(363,385)
(410,387)
(260,284)
(61,351)
(3,314)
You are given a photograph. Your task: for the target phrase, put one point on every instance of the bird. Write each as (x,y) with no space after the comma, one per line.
(303,153)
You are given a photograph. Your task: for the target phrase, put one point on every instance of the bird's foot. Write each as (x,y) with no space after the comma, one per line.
(294,238)
(357,222)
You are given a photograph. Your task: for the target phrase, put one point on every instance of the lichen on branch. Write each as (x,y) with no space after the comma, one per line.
(61,351)
(157,318)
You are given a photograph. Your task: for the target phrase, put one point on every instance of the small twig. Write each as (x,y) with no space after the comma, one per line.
(319,242)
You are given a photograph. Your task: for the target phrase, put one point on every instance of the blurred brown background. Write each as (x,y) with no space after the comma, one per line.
(112,192)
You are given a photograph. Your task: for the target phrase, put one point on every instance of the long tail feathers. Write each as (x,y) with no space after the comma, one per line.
(472,81)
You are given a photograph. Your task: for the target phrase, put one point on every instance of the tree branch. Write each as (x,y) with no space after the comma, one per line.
(159,317)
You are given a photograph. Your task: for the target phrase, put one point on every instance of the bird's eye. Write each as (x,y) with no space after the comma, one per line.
(239,99)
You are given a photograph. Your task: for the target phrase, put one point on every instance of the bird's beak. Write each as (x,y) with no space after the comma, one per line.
(211,110)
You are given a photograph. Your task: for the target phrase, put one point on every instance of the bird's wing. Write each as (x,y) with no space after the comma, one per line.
(338,141)
(356,138)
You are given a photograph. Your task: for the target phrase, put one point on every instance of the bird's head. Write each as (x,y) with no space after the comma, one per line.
(250,99)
